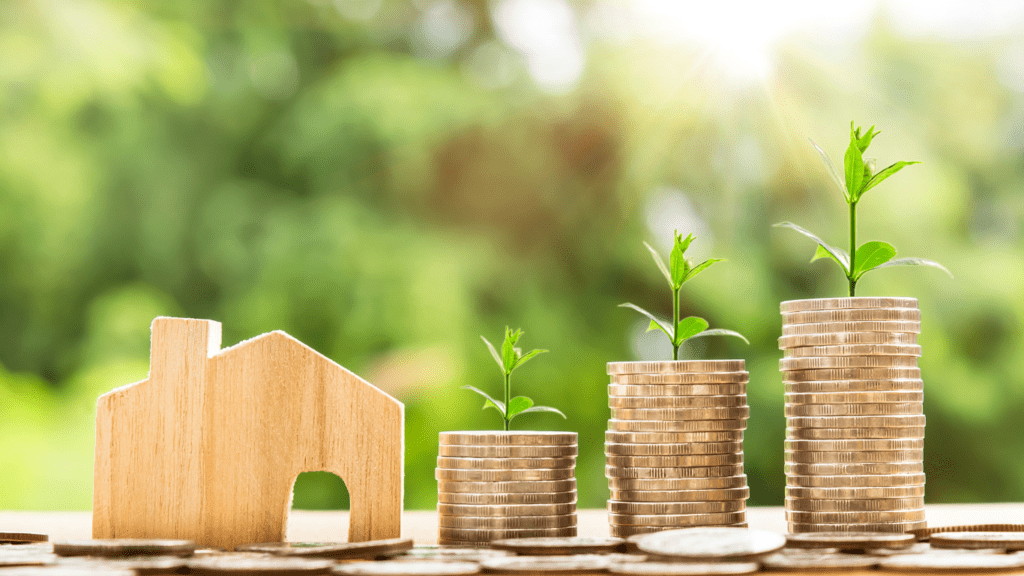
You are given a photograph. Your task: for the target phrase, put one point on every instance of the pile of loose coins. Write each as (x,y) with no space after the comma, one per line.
(682,552)
(497,485)
(674,445)
(854,414)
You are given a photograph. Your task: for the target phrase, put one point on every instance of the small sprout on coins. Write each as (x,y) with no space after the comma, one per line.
(508,360)
(679,272)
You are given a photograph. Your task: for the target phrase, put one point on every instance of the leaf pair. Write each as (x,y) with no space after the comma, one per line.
(690,327)
(680,270)
(870,255)
(858,176)
(510,357)
(516,406)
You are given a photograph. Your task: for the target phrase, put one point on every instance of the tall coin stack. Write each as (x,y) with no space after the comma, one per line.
(674,445)
(498,485)
(854,415)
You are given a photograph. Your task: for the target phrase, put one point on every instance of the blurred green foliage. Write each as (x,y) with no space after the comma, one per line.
(286,165)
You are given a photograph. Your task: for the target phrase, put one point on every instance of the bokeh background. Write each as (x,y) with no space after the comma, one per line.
(388,180)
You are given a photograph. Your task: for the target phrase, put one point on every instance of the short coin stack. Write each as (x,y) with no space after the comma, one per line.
(854,414)
(674,445)
(499,485)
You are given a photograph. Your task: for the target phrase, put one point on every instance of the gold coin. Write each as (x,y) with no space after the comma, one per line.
(847,338)
(849,386)
(851,315)
(926,533)
(486,535)
(675,425)
(559,546)
(916,420)
(674,390)
(854,517)
(703,379)
(855,445)
(681,461)
(676,367)
(849,540)
(846,303)
(1009,541)
(854,505)
(953,563)
(675,484)
(851,374)
(662,508)
(640,531)
(674,449)
(683,568)
(855,457)
(854,397)
(854,350)
(220,565)
(854,433)
(681,413)
(115,547)
(852,469)
(677,401)
(463,475)
(712,544)
(817,362)
(507,522)
(505,463)
(506,510)
(855,481)
(507,451)
(660,473)
(406,567)
(897,527)
(676,520)
(562,564)
(895,492)
(671,437)
(907,327)
(565,497)
(509,438)
(737,494)
(335,550)
(506,487)
(820,563)
(866,409)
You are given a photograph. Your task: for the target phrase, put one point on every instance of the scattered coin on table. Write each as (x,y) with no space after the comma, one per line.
(64,571)
(683,568)
(925,533)
(712,543)
(124,547)
(819,562)
(557,546)
(22,538)
(849,540)
(419,568)
(336,550)
(1010,541)
(953,563)
(562,564)
(14,560)
(264,565)
(141,565)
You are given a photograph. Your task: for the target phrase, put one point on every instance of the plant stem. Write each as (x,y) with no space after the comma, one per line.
(508,392)
(853,248)
(675,323)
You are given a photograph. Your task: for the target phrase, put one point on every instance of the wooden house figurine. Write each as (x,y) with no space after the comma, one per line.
(209,446)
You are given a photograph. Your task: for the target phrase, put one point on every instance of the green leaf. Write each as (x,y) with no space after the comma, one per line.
(654,319)
(832,170)
(508,349)
(517,405)
(488,401)
(820,252)
(661,263)
(854,164)
(690,327)
(494,353)
(837,254)
(883,174)
(655,326)
(701,267)
(721,332)
(914,262)
(684,243)
(535,409)
(677,260)
(871,255)
(527,356)
(864,141)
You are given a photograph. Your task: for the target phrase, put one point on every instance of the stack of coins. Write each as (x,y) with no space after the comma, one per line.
(500,485)
(674,445)
(854,414)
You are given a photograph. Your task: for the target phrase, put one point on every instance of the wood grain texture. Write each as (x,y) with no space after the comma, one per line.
(209,446)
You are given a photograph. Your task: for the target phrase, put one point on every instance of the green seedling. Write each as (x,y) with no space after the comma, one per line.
(858,177)
(679,272)
(508,360)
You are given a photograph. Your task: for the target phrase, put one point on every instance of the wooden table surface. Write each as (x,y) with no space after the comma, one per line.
(421,525)
(305,525)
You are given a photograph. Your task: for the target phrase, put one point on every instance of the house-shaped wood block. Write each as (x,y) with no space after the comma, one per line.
(209,446)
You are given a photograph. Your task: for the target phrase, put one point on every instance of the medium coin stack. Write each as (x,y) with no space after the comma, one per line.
(674,445)
(500,485)
(854,415)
